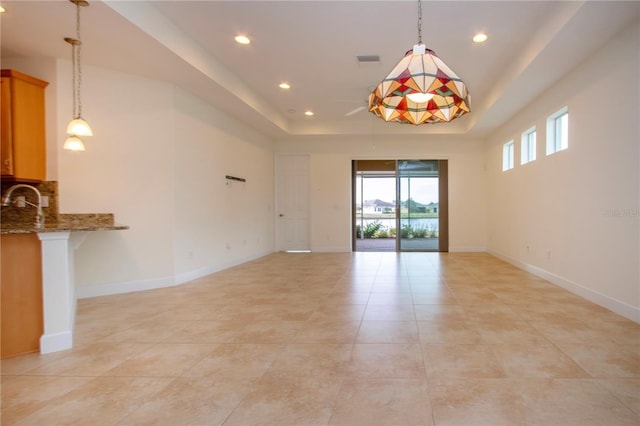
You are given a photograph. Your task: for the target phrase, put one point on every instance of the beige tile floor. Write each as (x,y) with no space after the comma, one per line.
(339,339)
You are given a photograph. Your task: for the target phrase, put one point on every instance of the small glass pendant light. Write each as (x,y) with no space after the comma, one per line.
(73,143)
(78,126)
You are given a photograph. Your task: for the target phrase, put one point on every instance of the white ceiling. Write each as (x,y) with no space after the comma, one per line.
(313,45)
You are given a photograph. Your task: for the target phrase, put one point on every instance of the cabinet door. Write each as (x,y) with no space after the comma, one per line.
(21,316)
(23,127)
(28,130)
(6,150)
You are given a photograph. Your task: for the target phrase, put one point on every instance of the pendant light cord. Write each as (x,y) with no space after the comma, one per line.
(74,77)
(76,74)
(76,58)
(419,21)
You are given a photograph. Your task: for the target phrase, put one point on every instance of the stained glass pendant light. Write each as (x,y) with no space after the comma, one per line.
(78,126)
(420,89)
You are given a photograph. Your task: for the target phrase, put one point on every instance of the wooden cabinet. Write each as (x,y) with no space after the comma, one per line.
(23,141)
(21,307)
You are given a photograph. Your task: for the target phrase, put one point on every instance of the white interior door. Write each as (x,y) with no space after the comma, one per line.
(292,202)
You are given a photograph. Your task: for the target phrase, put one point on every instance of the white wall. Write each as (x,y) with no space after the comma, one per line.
(330,186)
(219,222)
(157,161)
(330,202)
(127,169)
(573,217)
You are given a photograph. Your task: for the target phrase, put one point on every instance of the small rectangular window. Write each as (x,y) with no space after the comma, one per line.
(558,131)
(507,156)
(528,146)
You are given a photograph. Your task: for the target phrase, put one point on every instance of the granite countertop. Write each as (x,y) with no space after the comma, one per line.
(67,222)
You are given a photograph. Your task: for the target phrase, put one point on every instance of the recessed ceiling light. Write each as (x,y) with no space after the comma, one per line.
(480,38)
(242,39)
(308,113)
(284,85)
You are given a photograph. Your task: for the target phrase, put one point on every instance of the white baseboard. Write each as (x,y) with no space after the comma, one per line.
(184,277)
(467,249)
(196,273)
(83,292)
(617,306)
(56,342)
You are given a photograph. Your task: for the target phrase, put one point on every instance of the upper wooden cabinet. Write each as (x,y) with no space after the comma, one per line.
(23,150)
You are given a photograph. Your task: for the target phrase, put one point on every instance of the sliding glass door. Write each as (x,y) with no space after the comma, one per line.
(374,220)
(400,205)
(420,207)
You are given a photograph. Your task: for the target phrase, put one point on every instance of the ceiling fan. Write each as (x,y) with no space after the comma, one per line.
(364,105)
(355,111)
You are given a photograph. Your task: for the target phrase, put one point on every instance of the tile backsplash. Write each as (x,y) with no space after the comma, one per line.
(26,215)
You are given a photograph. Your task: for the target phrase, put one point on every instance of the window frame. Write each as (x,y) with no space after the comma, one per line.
(557,131)
(528,144)
(508,155)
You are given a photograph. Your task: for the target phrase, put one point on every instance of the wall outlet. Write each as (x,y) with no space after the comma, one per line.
(45,201)
(20,201)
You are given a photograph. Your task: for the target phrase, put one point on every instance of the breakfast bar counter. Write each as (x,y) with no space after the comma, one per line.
(67,223)
(56,243)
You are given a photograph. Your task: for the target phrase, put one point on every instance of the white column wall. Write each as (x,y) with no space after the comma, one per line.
(58,292)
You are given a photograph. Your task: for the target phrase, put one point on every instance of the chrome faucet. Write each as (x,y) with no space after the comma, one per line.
(6,200)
